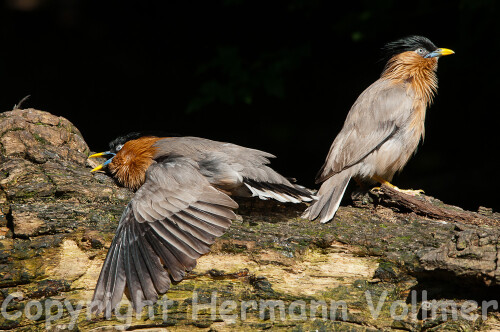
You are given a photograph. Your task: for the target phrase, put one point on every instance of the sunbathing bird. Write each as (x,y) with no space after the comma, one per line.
(181,205)
(383,127)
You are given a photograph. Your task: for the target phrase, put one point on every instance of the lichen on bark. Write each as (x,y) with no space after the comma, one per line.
(57,221)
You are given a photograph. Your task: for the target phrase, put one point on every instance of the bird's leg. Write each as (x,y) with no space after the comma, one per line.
(410,192)
(382,182)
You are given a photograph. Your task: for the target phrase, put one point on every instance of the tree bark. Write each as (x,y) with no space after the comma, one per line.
(57,221)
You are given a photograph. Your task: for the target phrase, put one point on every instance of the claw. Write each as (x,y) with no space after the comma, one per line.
(410,192)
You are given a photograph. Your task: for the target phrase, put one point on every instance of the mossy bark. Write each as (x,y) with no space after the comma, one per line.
(272,270)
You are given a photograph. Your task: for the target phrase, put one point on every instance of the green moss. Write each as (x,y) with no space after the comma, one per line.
(233,248)
(40,139)
(11,129)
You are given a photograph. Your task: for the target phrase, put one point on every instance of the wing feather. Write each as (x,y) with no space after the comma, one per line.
(208,217)
(375,117)
(148,292)
(158,274)
(228,167)
(199,223)
(214,209)
(171,221)
(200,234)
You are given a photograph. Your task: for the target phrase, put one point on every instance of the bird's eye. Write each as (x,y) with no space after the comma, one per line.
(119,147)
(420,51)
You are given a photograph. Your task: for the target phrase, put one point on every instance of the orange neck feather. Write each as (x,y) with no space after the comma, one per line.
(418,72)
(130,164)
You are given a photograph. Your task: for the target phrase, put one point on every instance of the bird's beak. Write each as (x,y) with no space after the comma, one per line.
(440,52)
(100,154)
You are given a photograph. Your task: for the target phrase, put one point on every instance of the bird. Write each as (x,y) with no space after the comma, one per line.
(180,206)
(383,127)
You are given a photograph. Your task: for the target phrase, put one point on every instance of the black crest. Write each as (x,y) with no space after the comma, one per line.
(410,43)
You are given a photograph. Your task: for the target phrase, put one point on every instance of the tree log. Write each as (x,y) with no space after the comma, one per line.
(393,251)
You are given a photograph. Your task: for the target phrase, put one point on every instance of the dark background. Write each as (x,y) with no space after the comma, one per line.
(274,75)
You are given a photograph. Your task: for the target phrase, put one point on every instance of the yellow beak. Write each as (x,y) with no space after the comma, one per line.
(97,168)
(100,154)
(439,52)
(446,51)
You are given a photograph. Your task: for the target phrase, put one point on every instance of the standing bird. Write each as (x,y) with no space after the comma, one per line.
(181,205)
(383,127)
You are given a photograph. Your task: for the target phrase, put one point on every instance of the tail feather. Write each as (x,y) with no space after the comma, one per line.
(330,194)
(280,192)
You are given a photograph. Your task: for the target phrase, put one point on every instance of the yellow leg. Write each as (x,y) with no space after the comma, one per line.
(410,192)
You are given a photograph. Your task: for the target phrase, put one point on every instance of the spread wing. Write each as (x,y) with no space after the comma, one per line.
(171,221)
(245,172)
(375,117)
(235,168)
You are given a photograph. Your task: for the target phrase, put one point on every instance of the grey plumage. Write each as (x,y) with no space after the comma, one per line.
(179,210)
(239,170)
(376,139)
(383,127)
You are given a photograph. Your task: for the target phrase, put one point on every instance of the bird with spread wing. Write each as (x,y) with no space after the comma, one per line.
(181,205)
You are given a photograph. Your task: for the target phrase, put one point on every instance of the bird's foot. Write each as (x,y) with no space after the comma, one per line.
(410,192)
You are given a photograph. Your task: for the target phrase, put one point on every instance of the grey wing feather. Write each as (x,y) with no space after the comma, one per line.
(376,116)
(171,221)
(235,169)
(247,169)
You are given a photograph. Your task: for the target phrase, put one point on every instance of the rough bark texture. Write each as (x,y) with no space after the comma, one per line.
(57,221)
